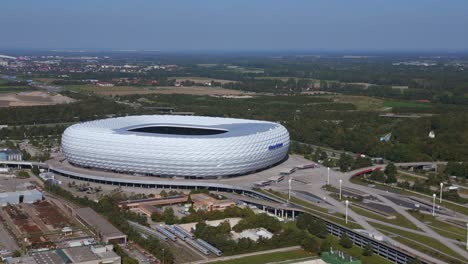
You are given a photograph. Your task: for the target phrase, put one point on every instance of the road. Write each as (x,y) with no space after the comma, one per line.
(315,188)
(372,191)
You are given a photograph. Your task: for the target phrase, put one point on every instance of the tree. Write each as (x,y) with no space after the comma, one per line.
(325,246)
(367,250)
(35,170)
(391,178)
(303,221)
(362,162)
(345,241)
(16,253)
(391,170)
(163,193)
(345,162)
(310,244)
(377,175)
(318,228)
(169,217)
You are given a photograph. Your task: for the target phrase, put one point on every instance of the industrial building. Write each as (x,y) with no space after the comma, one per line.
(18,197)
(103,228)
(176,146)
(96,254)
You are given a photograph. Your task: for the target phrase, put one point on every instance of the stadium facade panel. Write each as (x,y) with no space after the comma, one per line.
(176,146)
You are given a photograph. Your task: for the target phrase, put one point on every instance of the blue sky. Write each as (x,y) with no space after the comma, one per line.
(235,24)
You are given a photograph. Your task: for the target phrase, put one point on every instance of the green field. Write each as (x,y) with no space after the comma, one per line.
(399,220)
(362,103)
(406,237)
(406,104)
(270,257)
(443,228)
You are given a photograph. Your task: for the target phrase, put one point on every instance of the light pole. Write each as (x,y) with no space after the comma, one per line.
(328,175)
(433,204)
(466,236)
(441,189)
(289,192)
(341,181)
(346,202)
(164,260)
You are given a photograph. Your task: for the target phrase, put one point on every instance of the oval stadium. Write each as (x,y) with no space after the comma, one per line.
(176,146)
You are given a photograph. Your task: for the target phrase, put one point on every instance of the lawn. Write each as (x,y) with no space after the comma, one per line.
(408,104)
(403,236)
(270,257)
(362,103)
(399,220)
(443,228)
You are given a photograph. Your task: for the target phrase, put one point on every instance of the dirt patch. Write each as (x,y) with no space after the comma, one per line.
(33,98)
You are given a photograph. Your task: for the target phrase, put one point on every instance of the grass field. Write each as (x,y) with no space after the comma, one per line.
(388,103)
(399,220)
(270,257)
(363,103)
(443,228)
(406,237)
(127,90)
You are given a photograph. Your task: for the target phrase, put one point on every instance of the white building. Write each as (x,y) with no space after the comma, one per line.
(176,146)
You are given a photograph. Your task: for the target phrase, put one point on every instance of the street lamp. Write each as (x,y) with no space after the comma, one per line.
(347,203)
(289,192)
(341,181)
(441,189)
(433,204)
(164,260)
(328,175)
(466,236)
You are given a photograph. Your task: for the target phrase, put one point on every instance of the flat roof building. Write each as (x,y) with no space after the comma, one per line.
(103,228)
(28,196)
(76,255)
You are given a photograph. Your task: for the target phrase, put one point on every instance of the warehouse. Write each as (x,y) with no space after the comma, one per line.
(105,230)
(28,196)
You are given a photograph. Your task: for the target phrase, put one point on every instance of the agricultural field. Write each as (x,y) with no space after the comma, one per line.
(129,90)
(201,80)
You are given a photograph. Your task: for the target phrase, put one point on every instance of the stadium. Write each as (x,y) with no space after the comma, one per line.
(191,147)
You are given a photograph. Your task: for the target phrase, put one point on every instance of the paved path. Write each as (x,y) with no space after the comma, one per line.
(247,255)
